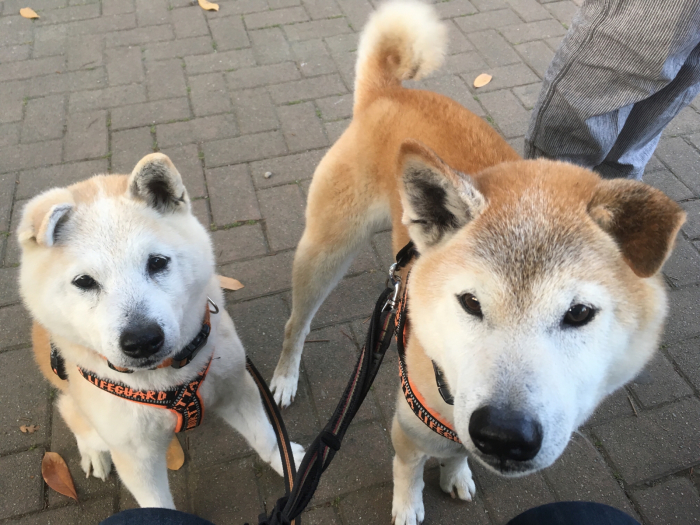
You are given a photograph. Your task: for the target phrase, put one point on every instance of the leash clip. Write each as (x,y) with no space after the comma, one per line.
(214,305)
(395,282)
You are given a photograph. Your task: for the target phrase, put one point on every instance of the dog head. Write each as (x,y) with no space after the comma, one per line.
(118,264)
(536,292)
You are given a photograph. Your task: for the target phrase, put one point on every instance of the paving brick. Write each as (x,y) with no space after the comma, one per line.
(101,25)
(9,134)
(165,79)
(307,89)
(14,53)
(493,47)
(324,515)
(152,12)
(615,406)
(455,8)
(369,505)
(505,498)
(269,45)
(683,267)
(241,242)
(69,14)
(276,17)
(692,220)
(67,82)
(214,443)
(24,156)
(687,121)
(224,61)
(200,209)
(356,11)
(196,130)
(189,22)
(87,513)
(301,127)
(31,68)
(243,149)
(527,94)
(44,119)
(674,501)
(86,136)
(198,45)
(681,322)
(489,20)
(519,33)
(231,195)
(353,298)
(229,33)
(452,86)
(209,95)
(34,181)
(655,444)
(283,209)
(580,474)
(227,493)
(276,268)
(335,108)
(124,65)
(506,77)
(340,44)
(155,112)
(458,43)
(84,52)
(529,10)
(14,30)
(668,183)
(659,383)
(317,29)
(285,169)
(188,163)
(255,111)
(312,58)
(562,11)
(8,183)
(687,358)
(261,75)
(128,147)
(511,118)
(49,41)
(117,7)
(11,101)
(106,98)
(489,5)
(537,55)
(335,129)
(239,7)
(21,483)
(319,9)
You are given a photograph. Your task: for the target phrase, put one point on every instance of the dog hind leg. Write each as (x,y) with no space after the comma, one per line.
(94,452)
(407,506)
(456,478)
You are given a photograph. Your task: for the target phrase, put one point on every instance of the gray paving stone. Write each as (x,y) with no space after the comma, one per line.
(117,7)
(656,443)
(31,68)
(129,147)
(165,79)
(537,55)
(229,33)
(182,47)
(13,29)
(243,149)
(659,383)
(86,136)
(186,159)
(506,77)
(682,320)
(15,329)
(369,505)
(519,33)
(21,483)
(674,501)
(455,8)
(686,355)
(335,129)
(511,118)
(196,130)
(241,242)
(152,12)
(307,89)
(124,65)
(84,52)
(148,113)
(231,195)
(692,221)
(223,61)
(488,20)
(668,183)
(562,11)
(139,36)
(15,52)
(353,298)
(200,209)
(214,443)
(67,82)
(687,121)
(9,288)
(11,101)
(301,127)
(87,513)
(189,22)
(681,159)
(209,95)
(106,98)
(276,268)
(494,48)
(283,209)
(683,267)
(313,58)
(285,169)
(69,14)
(452,86)
(529,10)
(44,119)
(317,29)
(269,45)
(615,406)
(262,75)
(356,11)
(255,111)
(276,17)
(322,8)
(23,156)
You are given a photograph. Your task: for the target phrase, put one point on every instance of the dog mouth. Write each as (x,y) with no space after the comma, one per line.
(506,467)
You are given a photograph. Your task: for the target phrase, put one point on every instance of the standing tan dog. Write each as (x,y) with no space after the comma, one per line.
(536,292)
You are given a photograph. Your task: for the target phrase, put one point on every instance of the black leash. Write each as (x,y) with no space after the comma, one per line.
(302,484)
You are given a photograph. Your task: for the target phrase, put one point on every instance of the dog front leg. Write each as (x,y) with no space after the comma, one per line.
(407,506)
(456,478)
(144,472)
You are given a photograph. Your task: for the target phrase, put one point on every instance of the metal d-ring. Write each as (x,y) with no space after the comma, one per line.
(216,307)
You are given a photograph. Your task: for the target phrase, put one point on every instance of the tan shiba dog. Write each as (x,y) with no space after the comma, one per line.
(119,278)
(536,292)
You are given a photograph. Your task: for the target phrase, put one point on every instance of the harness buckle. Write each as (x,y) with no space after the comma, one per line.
(395,282)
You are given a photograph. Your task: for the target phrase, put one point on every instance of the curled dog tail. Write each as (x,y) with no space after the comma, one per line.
(403,39)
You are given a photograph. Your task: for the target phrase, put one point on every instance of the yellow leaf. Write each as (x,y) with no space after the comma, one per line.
(175,456)
(227,283)
(57,476)
(28,12)
(209,6)
(28,429)
(482,80)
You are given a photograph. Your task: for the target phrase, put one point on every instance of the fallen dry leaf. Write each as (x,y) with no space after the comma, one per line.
(175,456)
(28,429)
(482,80)
(227,283)
(28,12)
(209,6)
(57,476)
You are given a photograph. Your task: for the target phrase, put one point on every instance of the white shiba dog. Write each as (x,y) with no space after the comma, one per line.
(119,278)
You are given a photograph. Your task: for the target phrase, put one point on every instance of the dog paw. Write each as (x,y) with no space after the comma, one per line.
(299,453)
(407,513)
(284,388)
(456,480)
(276,460)
(100,463)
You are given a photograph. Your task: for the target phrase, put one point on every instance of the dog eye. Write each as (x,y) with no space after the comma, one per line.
(579,315)
(157,263)
(85,282)
(471,304)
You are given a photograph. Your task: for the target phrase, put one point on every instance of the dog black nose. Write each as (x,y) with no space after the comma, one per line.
(505,434)
(142,340)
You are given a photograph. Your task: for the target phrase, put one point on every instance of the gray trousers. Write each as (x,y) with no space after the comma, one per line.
(624,69)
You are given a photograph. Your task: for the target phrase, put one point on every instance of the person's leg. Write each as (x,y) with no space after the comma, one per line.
(153,516)
(647,120)
(573,513)
(616,53)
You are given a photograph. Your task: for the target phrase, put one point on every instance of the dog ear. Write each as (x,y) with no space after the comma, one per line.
(43,217)
(437,200)
(642,220)
(156,181)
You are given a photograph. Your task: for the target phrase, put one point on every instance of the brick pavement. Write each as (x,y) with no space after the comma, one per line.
(265,85)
